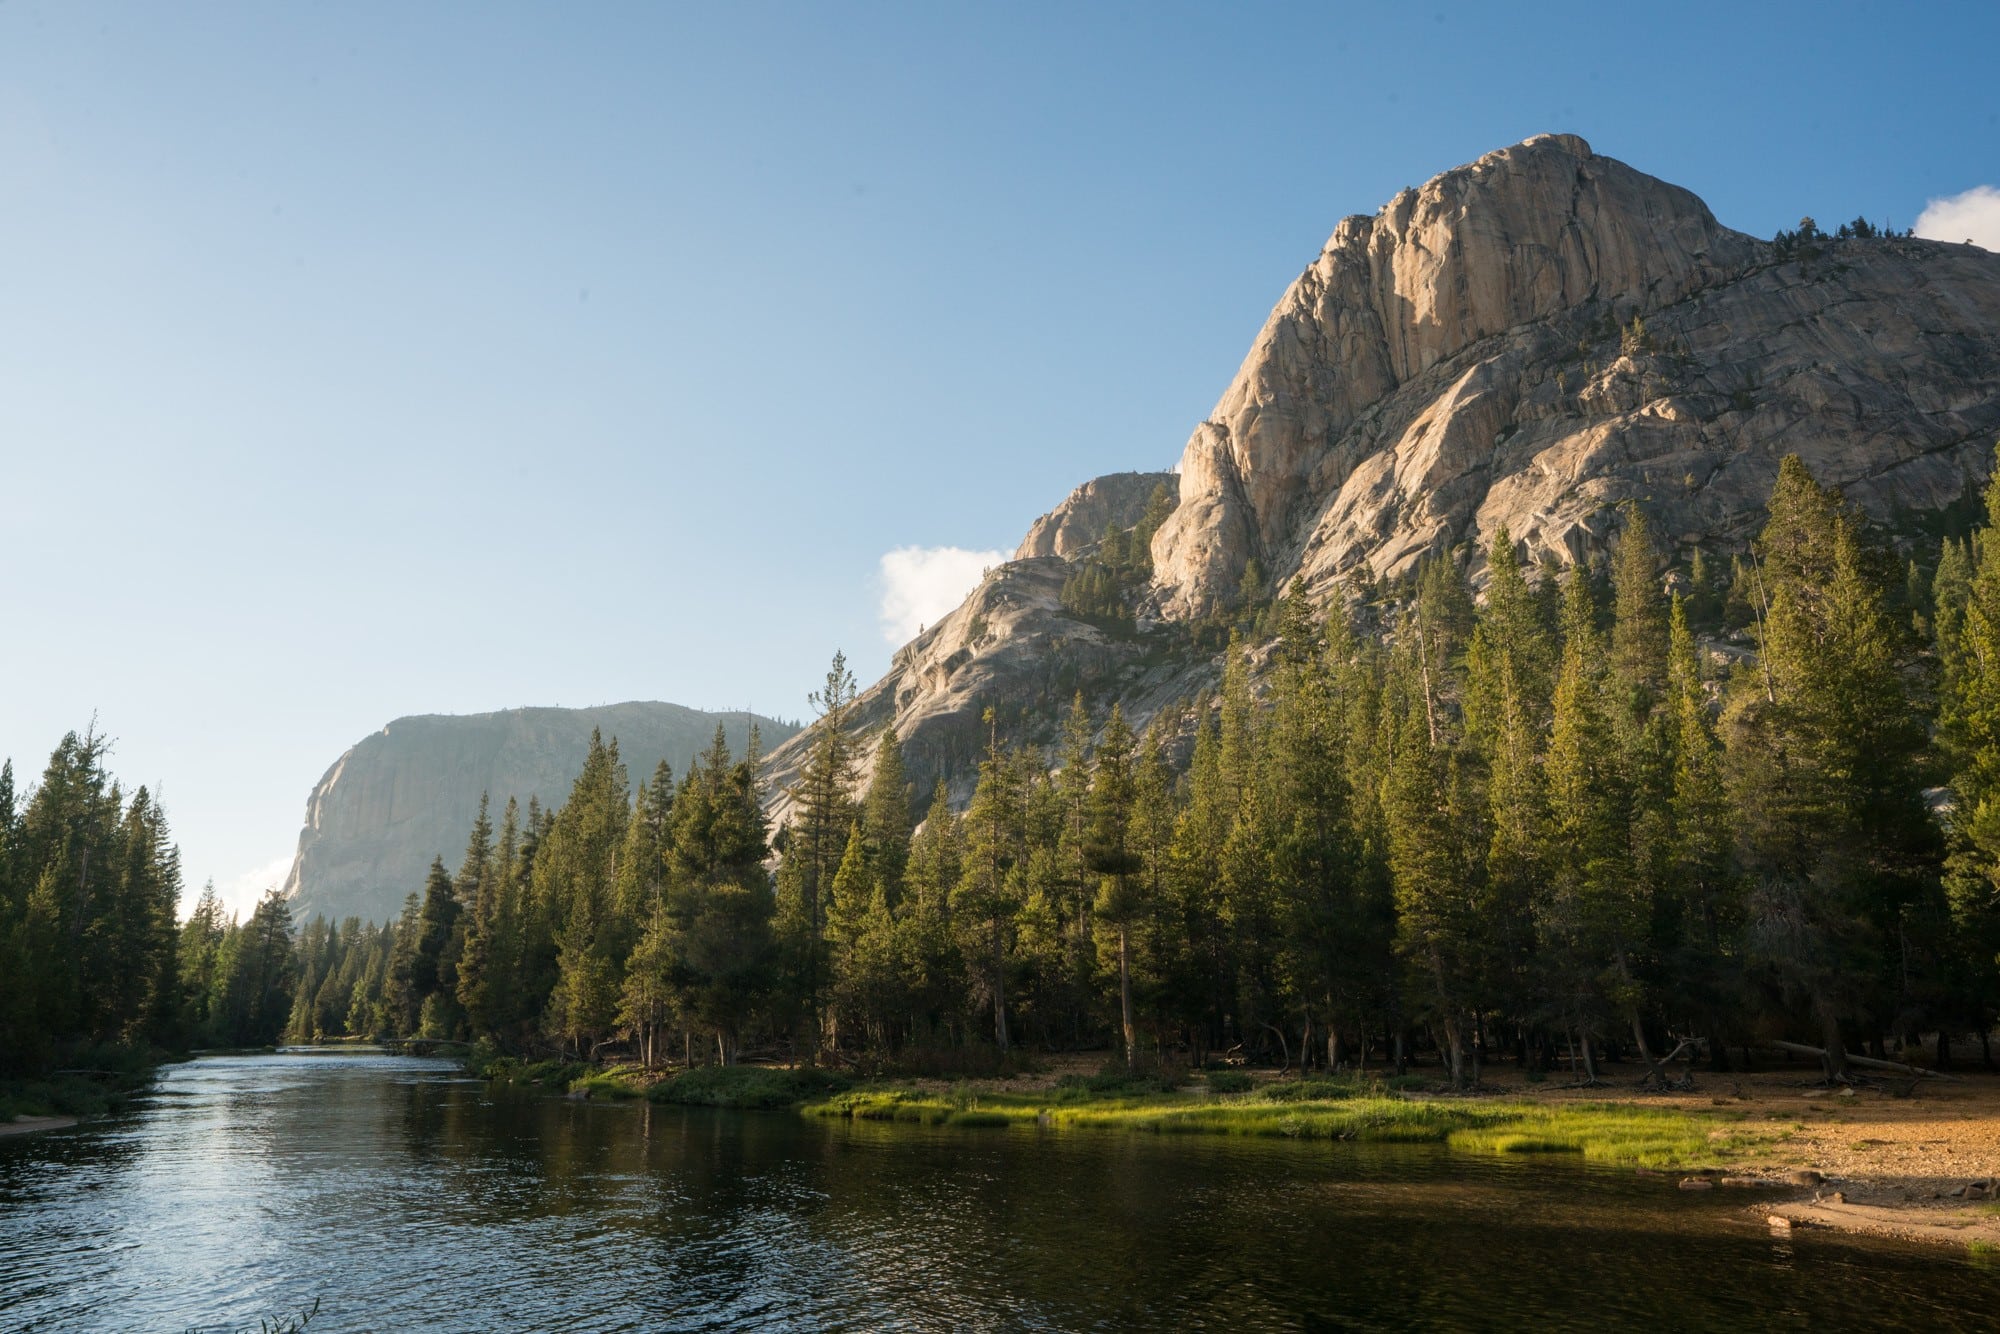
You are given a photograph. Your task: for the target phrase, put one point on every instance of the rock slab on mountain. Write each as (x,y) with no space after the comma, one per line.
(1466,360)
(1118,500)
(1525,342)
(410,792)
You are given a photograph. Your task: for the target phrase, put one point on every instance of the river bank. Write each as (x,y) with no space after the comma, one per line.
(1915,1160)
(98,1082)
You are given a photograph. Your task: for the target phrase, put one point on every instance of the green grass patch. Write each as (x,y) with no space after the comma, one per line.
(1342,1111)
(749,1087)
(507,1072)
(1610,1133)
(958,1108)
(615,1084)
(1359,1119)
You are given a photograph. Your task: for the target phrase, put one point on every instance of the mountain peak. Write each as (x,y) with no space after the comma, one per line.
(1527,341)
(1533,232)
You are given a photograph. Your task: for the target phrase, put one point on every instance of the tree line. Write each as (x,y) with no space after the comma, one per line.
(1570,820)
(89,882)
(1548,825)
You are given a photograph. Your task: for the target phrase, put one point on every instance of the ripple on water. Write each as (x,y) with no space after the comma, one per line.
(404,1196)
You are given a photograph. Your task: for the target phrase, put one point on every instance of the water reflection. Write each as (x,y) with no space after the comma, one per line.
(403,1196)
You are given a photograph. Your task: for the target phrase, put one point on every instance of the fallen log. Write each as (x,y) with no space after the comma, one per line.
(1865,1062)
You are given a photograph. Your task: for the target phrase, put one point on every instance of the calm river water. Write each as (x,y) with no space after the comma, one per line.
(402,1197)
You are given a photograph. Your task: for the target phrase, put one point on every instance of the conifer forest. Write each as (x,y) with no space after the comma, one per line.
(1625,810)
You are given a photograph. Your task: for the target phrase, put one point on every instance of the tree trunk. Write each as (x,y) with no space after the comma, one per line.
(1944,1050)
(999,988)
(1284,1046)
(1653,1069)
(1589,1061)
(1454,1051)
(1835,1060)
(1125,996)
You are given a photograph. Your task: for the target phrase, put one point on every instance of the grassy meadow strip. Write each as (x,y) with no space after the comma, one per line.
(1599,1132)
(1353,1111)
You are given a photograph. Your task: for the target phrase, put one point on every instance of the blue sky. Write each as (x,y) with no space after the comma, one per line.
(367,359)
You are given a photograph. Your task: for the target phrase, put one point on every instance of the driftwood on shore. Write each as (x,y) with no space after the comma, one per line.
(1865,1062)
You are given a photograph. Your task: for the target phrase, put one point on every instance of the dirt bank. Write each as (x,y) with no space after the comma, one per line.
(1915,1159)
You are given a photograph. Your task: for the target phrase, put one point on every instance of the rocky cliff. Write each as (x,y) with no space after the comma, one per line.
(1524,342)
(410,792)
(1466,359)
(1079,522)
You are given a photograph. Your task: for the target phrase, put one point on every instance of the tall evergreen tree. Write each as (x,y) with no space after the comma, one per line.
(987,894)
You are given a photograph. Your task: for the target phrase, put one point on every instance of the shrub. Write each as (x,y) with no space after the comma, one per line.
(1114,1081)
(750,1087)
(1228,1081)
(1313,1090)
(976,1061)
(511,1072)
(604,1084)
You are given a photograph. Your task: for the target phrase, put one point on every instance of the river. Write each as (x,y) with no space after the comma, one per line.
(400,1195)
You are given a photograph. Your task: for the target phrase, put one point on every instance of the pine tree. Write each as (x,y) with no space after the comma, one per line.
(1592,910)
(575,875)
(433,971)
(1207,981)
(1121,903)
(1424,810)
(926,940)
(719,900)
(1965,599)
(1825,741)
(1699,877)
(825,812)
(885,817)
(987,895)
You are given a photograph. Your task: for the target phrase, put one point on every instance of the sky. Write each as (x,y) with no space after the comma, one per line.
(364,360)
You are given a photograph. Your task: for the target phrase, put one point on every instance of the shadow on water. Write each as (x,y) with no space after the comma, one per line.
(403,1195)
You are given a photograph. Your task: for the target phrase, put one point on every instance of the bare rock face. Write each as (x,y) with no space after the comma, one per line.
(1465,360)
(1119,498)
(410,792)
(1010,646)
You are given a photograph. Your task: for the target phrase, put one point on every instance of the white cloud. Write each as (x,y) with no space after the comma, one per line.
(239,893)
(921,585)
(1973,216)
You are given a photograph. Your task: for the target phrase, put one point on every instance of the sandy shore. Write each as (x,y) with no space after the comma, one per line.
(1912,1159)
(28,1125)
(1917,1160)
